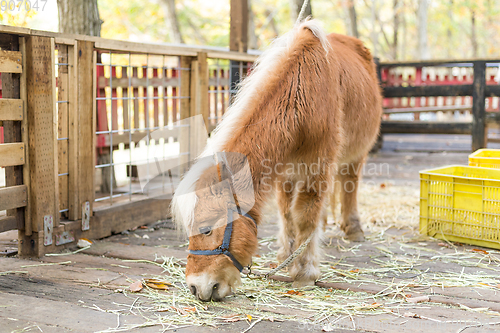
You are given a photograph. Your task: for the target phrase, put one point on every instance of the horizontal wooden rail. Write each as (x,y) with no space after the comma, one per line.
(11,109)
(434,91)
(437,62)
(11,62)
(13,197)
(426,127)
(8,223)
(12,154)
(428,109)
(125,82)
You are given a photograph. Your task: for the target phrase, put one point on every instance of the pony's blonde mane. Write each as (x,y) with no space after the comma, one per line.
(184,200)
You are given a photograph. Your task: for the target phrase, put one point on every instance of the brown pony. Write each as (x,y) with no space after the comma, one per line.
(311,103)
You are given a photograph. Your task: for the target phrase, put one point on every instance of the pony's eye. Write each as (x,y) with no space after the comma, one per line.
(206,230)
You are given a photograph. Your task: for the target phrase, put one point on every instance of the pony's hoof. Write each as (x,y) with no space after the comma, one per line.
(303,283)
(357,236)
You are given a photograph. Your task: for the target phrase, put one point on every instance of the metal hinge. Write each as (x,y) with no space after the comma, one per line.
(48,226)
(86,216)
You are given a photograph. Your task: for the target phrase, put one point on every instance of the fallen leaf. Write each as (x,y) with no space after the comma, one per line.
(157,284)
(189,309)
(143,227)
(249,317)
(354,270)
(443,244)
(480,251)
(382,185)
(135,287)
(83,242)
(293,292)
(273,265)
(418,299)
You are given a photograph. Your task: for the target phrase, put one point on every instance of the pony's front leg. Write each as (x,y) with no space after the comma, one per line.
(307,211)
(284,193)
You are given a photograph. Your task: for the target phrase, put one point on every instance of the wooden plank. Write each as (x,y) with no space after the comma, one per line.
(24,137)
(63,125)
(425,127)
(428,109)
(13,197)
(55,131)
(202,99)
(123,82)
(73,133)
(429,91)
(123,46)
(86,122)
(11,62)
(479,137)
(12,154)
(8,223)
(41,117)
(435,62)
(11,109)
(230,55)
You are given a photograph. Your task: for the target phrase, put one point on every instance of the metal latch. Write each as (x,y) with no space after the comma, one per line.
(48,226)
(86,216)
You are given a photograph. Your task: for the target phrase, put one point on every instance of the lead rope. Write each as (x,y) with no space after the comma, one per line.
(284,264)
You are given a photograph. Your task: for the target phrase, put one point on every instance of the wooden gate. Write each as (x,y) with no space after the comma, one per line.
(13,119)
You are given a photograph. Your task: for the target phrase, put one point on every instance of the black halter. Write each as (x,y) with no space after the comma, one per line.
(224,248)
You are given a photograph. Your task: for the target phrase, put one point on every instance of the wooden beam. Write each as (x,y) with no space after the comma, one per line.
(238,33)
(8,223)
(73,132)
(11,62)
(41,117)
(11,109)
(444,90)
(63,89)
(479,137)
(425,127)
(24,136)
(13,197)
(12,155)
(86,122)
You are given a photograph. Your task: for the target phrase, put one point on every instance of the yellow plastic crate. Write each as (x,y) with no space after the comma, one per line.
(485,158)
(461,204)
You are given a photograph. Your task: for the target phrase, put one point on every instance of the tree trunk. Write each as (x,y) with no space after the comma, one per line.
(395,30)
(296,6)
(352,22)
(252,37)
(374,34)
(172,21)
(473,37)
(79,17)
(423,48)
(449,34)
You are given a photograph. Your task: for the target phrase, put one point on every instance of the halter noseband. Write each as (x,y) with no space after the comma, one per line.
(224,248)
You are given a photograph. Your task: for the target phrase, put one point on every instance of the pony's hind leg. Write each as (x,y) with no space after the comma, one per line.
(284,193)
(307,210)
(349,181)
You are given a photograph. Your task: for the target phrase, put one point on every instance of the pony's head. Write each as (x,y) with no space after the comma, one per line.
(222,235)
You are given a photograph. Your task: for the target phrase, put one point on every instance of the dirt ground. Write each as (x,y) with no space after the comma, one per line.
(395,281)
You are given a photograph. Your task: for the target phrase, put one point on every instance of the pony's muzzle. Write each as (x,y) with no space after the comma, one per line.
(206,293)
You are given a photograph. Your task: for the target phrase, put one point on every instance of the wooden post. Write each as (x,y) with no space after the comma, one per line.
(185,110)
(479,134)
(74,206)
(86,122)
(238,39)
(42,138)
(199,87)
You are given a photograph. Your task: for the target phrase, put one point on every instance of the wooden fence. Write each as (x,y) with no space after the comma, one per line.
(75,111)
(70,106)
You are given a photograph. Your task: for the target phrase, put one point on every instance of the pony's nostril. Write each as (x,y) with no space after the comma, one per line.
(215,286)
(193,289)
